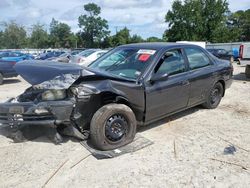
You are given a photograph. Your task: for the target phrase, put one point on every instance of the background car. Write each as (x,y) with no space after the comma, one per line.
(47,55)
(65,57)
(222,54)
(87,56)
(7,70)
(14,56)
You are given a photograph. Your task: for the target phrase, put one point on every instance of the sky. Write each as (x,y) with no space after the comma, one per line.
(143,17)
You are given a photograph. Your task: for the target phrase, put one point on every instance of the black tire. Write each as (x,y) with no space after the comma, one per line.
(112,126)
(247,71)
(214,97)
(1,79)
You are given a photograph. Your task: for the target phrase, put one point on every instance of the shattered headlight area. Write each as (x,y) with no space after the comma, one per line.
(50,104)
(54,94)
(83,91)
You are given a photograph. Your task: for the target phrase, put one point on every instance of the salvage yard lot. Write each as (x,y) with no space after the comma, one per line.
(187,151)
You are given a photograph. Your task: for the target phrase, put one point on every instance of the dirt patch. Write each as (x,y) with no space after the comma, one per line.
(236,108)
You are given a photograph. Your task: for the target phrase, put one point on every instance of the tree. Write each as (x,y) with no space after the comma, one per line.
(239,22)
(121,37)
(197,20)
(154,39)
(14,36)
(39,37)
(94,28)
(1,39)
(60,35)
(136,39)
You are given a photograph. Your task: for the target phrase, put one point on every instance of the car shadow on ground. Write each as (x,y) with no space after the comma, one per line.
(35,133)
(11,81)
(169,119)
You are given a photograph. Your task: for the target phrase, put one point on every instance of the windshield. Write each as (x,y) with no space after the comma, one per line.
(86,53)
(127,63)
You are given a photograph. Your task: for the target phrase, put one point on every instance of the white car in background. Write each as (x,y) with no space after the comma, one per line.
(87,56)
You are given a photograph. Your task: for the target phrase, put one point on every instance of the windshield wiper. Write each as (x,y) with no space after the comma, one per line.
(114,65)
(118,63)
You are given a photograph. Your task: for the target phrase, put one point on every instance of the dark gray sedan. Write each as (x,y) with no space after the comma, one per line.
(131,85)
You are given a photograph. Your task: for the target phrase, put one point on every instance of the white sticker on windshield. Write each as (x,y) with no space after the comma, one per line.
(146,51)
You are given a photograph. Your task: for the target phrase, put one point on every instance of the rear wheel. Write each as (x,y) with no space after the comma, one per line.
(214,97)
(1,79)
(112,126)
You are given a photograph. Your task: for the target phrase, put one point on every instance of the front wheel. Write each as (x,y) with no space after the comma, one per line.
(112,126)
(214,97)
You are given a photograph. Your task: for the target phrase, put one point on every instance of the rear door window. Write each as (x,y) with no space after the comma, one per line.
(197,58)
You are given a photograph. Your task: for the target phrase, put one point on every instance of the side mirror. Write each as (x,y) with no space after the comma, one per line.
(159,77)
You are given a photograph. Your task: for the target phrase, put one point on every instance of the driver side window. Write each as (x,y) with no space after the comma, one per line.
(171,63)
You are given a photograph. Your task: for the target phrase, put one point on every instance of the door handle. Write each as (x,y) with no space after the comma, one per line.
(185,83)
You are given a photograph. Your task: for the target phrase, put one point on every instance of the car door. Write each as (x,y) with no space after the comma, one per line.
(170,95)
(201,74)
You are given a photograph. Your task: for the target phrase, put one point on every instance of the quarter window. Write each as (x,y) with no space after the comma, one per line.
(197,58)
(171,63)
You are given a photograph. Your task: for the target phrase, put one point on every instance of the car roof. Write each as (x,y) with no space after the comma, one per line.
(156,45)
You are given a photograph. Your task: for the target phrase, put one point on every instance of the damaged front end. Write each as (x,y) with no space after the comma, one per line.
(51,103)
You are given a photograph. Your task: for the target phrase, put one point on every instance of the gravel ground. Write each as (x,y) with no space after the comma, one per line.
(187,151)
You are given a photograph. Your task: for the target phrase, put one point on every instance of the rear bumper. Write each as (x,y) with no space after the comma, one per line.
(50,113)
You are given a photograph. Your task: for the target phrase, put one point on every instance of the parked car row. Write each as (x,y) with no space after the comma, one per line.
(82,57)
(14,56)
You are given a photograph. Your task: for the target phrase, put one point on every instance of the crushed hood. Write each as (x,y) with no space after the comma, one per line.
(52,75)
(49,74)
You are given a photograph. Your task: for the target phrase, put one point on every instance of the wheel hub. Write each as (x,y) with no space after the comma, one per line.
(115,128)
(215,95)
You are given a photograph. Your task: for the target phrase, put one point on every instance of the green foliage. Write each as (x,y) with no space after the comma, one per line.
(123,37)
(60,35)
(136,39)
(39,37)
(14,36)
(94,28)
(239,22)
(154,39)
(193,20)
(197,20)
(1,39)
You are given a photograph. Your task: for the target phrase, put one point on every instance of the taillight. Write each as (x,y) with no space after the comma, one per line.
(241,51)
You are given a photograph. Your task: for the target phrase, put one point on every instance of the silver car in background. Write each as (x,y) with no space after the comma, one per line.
(87,56)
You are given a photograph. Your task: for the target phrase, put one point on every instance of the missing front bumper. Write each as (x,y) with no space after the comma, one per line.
(43,113)
(58,116)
